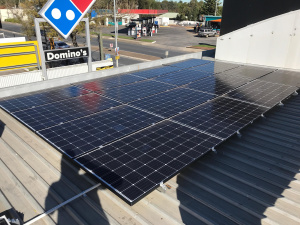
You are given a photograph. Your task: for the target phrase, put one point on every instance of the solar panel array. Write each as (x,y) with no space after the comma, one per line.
(136,130)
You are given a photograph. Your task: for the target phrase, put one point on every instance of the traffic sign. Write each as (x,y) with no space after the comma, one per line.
(117,57)
(111,45)
(64,15)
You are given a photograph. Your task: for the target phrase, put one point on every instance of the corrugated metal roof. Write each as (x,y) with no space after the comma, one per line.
(253,179)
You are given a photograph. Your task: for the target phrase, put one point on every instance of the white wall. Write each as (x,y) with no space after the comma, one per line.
(9,13)
(272,42)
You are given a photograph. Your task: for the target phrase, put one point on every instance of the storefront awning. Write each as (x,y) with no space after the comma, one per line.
(216,21)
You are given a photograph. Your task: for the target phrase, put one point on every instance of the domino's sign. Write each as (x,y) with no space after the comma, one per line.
(64,54)
(64,15)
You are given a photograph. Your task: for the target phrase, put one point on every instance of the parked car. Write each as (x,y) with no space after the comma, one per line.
(207,32)
(60,45)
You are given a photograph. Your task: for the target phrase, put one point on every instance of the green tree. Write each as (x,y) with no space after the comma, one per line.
(209,7)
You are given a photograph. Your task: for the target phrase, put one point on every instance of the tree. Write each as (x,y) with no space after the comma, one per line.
(209,7)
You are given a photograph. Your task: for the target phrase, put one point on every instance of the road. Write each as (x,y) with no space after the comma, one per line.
(11,30)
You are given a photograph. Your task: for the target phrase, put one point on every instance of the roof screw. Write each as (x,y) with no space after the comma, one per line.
(214,150)
(239,134)
(295,93)
(281,104)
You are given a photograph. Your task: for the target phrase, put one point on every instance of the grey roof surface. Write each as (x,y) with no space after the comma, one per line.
(251,180)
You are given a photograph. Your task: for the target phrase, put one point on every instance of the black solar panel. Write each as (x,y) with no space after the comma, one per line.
(215,67)
(182,77)
(218,84)
(221,117)
(189,63)
(262,93)
(283,77)
(150,73)
(136,91)
(250,71)
(30,100)
(85,134)
(109,82)
(135,165)
(172,102)
(52,114)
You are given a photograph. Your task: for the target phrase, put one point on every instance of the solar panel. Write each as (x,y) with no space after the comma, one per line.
(172,102)
(221,117)
(250,71)
(52,114)
(30,100)
(182,77)
(283,77)
(136,91)
(215,67)
(136,165)
(189,63)
(87,133)
(262,93)
(150,73)
(218,84)
(109,82)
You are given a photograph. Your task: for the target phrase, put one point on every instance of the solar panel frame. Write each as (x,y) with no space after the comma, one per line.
(172,102)
(218,84)
(88,133)
(132,92)
(109,82)
(156,72)
(152,156)
(263,93)
(221,117)
(182,77)
(189,63)
(52,114)
(27,101)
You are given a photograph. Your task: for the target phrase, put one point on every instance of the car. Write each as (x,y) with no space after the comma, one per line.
(60,45)
(207,32)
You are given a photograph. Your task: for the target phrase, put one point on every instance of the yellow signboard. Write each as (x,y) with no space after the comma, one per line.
(117,57)
(18,55)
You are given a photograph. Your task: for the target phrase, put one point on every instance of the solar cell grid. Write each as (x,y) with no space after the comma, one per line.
(189,63)
(150,73)
(172,102)
(30,100)
(137,164)
(109,82)
(215,67)
(52,114)
(182,77)
(218,84)
(283,77)
(136,91)
(85,134)
(221,117)
(262,93)
(250,71)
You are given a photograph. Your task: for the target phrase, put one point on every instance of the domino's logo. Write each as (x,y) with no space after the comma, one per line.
(64,15)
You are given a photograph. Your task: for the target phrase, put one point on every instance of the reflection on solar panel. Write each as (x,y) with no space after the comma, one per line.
(218,84)
(263,93)
(135,165)
(283,77)
(109,82)
(215,67)
(182,77)
(136,91)
(52,114)
(150,73)
(250,71)
(172,102)
(189,63)
(40,98)
(85,134)
(221,117)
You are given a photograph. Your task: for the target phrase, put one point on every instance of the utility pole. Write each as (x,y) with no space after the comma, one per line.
(216,7)
(101,45)
(116,34)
